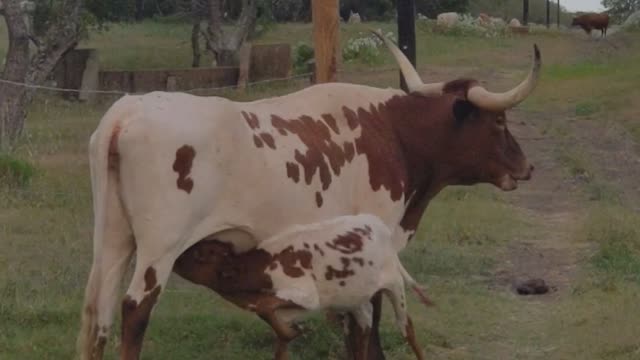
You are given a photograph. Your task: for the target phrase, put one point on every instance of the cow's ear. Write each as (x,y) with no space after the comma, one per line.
(462,109)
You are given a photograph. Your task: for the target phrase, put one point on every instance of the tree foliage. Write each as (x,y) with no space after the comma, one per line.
(431,8)
(621,9)
(509,9)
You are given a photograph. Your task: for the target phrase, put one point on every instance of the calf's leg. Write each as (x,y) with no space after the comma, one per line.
(266,308)
(410,335)
(355,333)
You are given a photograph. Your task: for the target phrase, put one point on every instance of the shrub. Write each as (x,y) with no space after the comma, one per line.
(302,54)
(15,172)
(467,25)
(364,49)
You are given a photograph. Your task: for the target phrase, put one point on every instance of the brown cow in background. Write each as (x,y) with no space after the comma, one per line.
(592,21)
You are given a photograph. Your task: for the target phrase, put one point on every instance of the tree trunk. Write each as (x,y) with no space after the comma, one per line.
(226,44)
(139,14)
(195,44)
(62,35)
(12,97)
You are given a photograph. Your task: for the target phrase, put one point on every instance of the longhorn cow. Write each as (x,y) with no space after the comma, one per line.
(592,21)
(169,170)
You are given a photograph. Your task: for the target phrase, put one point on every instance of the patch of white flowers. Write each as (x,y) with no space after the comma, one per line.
(365,48)
(467,25)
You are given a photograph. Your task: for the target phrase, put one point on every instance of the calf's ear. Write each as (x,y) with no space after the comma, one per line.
(462,109)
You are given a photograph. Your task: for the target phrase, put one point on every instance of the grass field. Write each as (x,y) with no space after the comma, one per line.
(575,224)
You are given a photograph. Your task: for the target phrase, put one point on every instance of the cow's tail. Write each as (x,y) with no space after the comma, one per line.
(418,289)
(103,159)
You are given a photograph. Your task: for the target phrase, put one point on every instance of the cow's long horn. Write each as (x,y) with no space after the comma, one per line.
(410,74)
(501,101)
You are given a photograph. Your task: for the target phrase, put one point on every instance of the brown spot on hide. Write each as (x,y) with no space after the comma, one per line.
(331,121)
(251,119)
(306,246)
(289,259)
(379,144)
(98,349)
(349,151)
(323,155)
(343,273)
(318,199)
(318,249)
(113,161)
(348,243)
(342,283)
(358,260)
(182,165)
(257,141)
(370,263)
(268,139)
(135,318)
(293,172)
(150,280)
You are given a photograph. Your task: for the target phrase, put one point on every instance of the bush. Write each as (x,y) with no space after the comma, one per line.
(369,10)
(431,8)
(302,54)
(364,49)
(467,25)
(15,172)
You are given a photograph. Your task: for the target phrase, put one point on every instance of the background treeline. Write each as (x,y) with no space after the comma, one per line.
(300,10)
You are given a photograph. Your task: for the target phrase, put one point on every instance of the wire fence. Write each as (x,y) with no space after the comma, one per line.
(195,90)
(118,92)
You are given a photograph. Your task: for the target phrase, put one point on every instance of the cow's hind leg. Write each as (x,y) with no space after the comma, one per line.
(149,279)
(111,257)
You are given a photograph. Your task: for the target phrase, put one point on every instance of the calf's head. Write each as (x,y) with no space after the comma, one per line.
(475,143)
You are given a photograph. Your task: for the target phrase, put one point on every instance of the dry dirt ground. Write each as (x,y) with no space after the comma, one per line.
(555,201)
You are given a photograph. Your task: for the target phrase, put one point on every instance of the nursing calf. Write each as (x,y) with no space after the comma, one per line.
(337,265)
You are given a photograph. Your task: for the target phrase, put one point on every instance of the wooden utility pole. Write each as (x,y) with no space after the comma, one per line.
(525,12)
(326,28)
(548,13)
(558,14)
(407,32)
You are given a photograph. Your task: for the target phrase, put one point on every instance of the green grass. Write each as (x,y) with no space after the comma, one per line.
(15,172)
(46,227)
(615,230)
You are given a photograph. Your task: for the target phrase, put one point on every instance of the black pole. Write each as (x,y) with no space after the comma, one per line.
(548,13)
(525,12)
(558,14)
(407,32)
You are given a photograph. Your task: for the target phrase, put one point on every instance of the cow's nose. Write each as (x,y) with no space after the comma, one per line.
(529,173)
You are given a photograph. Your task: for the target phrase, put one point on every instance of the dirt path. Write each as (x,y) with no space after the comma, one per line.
(548,203)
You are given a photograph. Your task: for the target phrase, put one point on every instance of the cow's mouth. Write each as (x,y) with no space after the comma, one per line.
(509,182)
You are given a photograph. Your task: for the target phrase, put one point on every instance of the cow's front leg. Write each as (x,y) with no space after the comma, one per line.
(355,333)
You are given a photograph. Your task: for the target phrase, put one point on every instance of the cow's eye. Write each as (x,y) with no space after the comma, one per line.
(501,121)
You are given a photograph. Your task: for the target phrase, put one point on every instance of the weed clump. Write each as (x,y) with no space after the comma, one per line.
(15,172)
